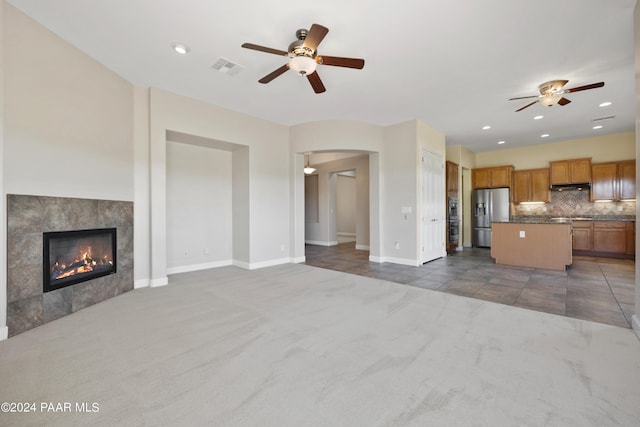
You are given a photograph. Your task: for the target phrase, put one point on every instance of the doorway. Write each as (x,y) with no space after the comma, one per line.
(340,200)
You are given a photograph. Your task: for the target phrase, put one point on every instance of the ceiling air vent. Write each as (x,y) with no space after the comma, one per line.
(227,67)
(600,119)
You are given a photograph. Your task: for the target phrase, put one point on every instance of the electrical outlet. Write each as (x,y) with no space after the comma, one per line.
(522,234)
(282,248)
(206,251)
(396,245)
(186,253)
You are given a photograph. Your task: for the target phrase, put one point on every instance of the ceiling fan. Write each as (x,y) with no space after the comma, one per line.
(304,57)
(552,93)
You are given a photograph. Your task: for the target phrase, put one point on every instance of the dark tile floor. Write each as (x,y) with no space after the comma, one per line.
(597,289)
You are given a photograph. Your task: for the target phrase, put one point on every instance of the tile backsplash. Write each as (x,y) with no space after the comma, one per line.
(572,203)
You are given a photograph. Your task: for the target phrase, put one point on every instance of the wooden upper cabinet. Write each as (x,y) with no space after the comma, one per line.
(501,176)
(573,171)
(521,186)
(452,179)
(560,172)
(580,170)
(493,177)
(613,181)
(540,185)
(627,180)
(481,178)
(531,185)
(604,181)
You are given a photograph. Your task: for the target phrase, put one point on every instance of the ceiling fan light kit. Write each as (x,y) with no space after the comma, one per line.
(304,57)
(552,93)
(302,65)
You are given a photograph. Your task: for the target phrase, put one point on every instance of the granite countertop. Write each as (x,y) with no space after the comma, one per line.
(549,219)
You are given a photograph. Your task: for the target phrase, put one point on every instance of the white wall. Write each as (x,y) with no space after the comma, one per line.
(636,19)
(267,164)
(400,189)
(4,331)
(68,120)
(67,123)
(199,211)
(346,204)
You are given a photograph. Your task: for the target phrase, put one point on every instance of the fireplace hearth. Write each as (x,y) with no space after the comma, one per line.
(71,257)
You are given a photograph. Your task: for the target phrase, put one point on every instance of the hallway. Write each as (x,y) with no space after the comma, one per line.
(596,289)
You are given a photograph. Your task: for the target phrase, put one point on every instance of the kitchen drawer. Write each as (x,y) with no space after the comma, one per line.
(609,224)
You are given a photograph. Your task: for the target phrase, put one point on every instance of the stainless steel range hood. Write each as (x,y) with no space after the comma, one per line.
(571,187)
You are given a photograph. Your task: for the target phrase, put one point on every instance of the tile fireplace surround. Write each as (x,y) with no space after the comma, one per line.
(27,218)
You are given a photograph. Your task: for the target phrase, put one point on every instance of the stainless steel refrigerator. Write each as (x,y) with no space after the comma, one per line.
(490,205)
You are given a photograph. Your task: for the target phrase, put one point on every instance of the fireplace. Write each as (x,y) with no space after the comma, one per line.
(71,257)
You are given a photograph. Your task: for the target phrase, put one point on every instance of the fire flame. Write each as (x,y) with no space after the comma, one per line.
(84,263)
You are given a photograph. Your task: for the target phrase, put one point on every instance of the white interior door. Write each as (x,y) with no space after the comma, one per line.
(433,206)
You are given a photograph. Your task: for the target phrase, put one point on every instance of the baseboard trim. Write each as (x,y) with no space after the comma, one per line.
(263,264)
(321,243)
(401,261)
(362,247)
(635,324)
(4,333)
(141,283)
(299,260)
(198,267)
(345,234)
(162,281)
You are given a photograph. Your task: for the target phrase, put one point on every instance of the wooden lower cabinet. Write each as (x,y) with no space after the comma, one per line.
(604,238)
(583,236)
(610,237)
(631,238)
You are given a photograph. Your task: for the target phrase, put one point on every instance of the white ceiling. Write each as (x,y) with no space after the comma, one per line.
(451,64)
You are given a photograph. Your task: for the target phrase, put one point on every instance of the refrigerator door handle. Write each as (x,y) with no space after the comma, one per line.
(490,207)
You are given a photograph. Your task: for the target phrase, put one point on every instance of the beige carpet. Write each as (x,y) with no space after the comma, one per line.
(295,345)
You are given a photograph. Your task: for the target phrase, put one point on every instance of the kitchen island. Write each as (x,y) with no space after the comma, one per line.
(539,245)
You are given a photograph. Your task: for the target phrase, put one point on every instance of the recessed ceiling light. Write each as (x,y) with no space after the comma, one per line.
(544,135)
(182,49)
(538,117)
(486,127)
(501,142)
(597,127)
(605,104)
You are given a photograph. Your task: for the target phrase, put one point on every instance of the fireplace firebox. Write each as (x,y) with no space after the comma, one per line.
(71,257)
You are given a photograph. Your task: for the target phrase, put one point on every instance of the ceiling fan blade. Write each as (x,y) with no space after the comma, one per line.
(316,83)
(563,101)
(315,36)
(272,75)
(585,87)
(524,97)
(528,105)
(264,49)
(341,62)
